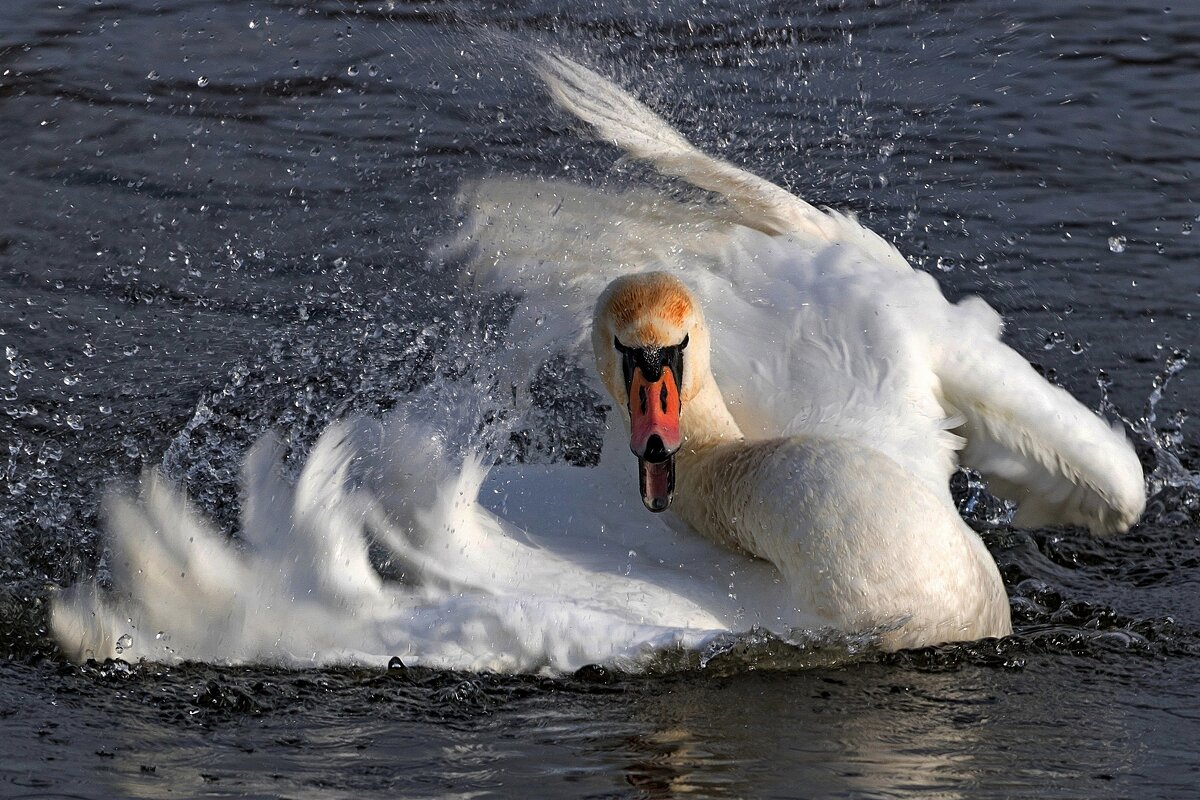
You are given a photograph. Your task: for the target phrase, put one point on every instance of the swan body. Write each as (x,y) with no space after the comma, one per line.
(861,542)
(889,559)
(814,394)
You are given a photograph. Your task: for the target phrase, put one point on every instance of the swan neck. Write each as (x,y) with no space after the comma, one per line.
(706,421)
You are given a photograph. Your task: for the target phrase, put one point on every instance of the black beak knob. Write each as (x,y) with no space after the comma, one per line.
(656,451)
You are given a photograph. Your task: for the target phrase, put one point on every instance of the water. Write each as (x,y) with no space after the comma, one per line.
(215,222)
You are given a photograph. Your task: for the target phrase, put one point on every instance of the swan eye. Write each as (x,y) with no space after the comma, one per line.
(651,361)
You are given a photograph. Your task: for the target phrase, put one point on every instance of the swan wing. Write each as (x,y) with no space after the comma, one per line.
(885,360)
(820,326)
(630,125)
(554,246)
(871,328)
(810,339)
(512,568)
(1035,443)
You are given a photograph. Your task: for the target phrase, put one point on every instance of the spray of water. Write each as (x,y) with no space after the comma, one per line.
(1173,489)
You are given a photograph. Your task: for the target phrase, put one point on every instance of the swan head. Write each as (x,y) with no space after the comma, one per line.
(651,347)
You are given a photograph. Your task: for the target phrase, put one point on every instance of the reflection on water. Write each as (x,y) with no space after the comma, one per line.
(871,732)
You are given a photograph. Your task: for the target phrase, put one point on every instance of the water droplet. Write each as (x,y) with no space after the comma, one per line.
(1116,244)
(352,70)
(124,643)
(131,447)
(202,81)
(50,451)
(152,75)
(74,422)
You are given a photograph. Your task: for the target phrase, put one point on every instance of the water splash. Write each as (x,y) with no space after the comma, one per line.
(1172,488)
(976,504)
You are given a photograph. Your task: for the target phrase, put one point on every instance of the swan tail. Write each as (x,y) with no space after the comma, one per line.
(1035,443)
(630,125)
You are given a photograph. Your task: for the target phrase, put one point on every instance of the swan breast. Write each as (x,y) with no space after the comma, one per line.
(862,544)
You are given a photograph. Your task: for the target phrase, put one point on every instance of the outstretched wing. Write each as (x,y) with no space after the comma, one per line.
(1034,442)
(555,246)
(637,130)
(828,329)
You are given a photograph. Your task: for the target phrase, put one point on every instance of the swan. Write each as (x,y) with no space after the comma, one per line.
(862,544)
(795,397)
(854,387)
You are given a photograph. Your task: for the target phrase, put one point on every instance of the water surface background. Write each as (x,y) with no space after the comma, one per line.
(214,221)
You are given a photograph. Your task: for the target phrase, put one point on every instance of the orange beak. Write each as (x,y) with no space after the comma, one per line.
(654,437)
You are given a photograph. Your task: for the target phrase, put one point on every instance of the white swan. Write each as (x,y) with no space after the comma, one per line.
(828,391)
(863,544)
(854,387)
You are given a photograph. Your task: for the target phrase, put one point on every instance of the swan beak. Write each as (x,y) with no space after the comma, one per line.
(657,481)
(654,437)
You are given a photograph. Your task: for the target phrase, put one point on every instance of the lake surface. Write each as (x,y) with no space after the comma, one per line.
(214,222)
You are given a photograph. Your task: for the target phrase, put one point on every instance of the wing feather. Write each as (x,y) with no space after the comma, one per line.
(825,328)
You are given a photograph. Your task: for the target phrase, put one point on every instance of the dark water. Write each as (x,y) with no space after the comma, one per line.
(214,221)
